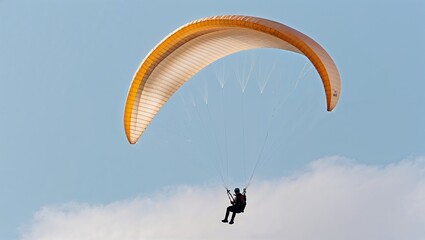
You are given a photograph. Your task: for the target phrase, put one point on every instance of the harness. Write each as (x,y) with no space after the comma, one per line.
(232,199)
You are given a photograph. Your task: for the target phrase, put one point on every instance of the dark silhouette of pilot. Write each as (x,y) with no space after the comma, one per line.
(238,204)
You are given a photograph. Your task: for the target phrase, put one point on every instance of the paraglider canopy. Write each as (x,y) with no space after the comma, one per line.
(193,46)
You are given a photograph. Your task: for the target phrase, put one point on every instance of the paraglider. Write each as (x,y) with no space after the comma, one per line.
(193,46)
(190,48)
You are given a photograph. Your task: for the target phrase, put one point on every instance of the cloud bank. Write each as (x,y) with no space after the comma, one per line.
(333,199)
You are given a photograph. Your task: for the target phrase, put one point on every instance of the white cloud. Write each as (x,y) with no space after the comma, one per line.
(334,199)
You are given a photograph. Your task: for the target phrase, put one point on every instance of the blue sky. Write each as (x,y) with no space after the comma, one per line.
(65,68)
